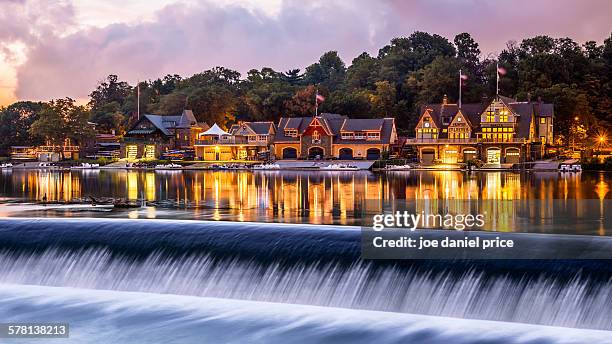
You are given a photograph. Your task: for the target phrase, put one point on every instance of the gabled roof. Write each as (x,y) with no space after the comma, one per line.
(261,128)
(336,123)
(254,128)
(470,111)
(158,122)
(187,119)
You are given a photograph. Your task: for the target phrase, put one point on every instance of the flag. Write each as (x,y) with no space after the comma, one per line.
(501,70)
(463,77)
(320,98)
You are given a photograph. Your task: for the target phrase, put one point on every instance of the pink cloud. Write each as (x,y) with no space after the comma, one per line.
(186,39)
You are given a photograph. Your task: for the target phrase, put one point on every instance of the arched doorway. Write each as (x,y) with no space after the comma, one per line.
(428,155)
(345,154)
(373,154)
(513,155)
(450,155)
(493,156)
(316,153)
(289,153)
(469,154)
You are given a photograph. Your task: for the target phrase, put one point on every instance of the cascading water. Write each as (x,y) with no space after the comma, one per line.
(312,265)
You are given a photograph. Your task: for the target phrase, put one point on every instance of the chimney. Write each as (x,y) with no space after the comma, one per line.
(113,132)
(528,97)
(539,99)
(445,100)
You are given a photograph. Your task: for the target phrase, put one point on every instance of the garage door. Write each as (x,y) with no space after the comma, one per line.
(428,156)
(512,156)
(469,155)
(373,154)
(345,154)
(289,153)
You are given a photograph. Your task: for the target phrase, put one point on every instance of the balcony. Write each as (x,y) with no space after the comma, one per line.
(50,149)
(231,141)
(464,141)
(441,141)
(127,139)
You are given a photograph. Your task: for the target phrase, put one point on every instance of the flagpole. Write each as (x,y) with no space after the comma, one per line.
(138,99)
(317,102)
(497,81)
(460,88)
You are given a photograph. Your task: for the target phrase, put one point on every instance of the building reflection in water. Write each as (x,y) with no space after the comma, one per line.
(321,197)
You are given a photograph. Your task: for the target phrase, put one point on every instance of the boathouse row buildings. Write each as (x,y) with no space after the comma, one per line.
(499,131)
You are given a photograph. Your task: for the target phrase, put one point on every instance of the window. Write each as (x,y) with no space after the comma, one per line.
(291,132)
(444,130)
(458,119)
(542,120)
(316,137)
(262,138)
(373,136)
(359,136)
(252,138)
(490,116)
(348,136)
(503,118)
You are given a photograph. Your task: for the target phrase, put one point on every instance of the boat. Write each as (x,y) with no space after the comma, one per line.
(339,167)
(85,166)
(398,168)
(168,167)
(570,168)
(266,167)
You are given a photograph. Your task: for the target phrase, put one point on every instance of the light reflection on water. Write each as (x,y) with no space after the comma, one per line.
(293,196)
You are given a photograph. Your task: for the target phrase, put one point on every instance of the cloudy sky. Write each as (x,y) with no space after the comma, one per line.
(58,48)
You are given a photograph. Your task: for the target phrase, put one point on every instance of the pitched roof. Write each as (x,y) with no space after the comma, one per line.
(524,110)
(362,124)
(261,128)
(336,123)
(215,130)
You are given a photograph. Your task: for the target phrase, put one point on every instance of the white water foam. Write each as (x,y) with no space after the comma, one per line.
(543,301)
(98,316)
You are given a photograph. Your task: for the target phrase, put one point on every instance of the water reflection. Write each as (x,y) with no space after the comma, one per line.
(324,197)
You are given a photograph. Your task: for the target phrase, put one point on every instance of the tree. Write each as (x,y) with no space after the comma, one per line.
(468,54)
(109,117)
(328,72)
(383,99)
(110,90)
(212,104)
(15,122)
(61,119)
(302,103)
(437,79)
(362,72)
(293,77)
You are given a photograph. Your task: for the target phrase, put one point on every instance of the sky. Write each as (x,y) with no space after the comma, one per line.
(62,48)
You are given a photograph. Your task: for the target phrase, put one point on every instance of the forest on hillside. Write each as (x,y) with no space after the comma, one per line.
(407,72)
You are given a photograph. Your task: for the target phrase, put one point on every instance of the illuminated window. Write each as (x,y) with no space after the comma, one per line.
(542,120)
(316,137)
(291,132)
(503,118)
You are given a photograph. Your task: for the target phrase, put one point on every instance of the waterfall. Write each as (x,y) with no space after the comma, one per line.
(52,253)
